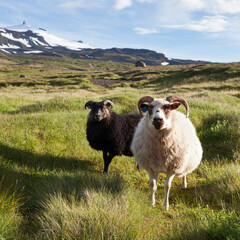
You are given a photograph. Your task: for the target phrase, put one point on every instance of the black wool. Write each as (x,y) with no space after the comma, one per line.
(110,132)
(113,134)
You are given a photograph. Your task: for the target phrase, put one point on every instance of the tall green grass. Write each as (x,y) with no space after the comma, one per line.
(10,217)
(97,215)
(52,186)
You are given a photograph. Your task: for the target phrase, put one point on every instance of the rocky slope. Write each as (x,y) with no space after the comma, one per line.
(23,39)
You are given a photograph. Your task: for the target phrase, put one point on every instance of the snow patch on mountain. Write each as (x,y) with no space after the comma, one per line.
(5,51)
(21,40)
(51,40)
(9,46)
(30,52)
(55,41)
(37,42)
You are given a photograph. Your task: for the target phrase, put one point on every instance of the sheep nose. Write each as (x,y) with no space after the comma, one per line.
(157,119)
(157,122)
(97,116)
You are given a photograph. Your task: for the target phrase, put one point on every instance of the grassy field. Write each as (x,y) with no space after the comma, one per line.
(51,181)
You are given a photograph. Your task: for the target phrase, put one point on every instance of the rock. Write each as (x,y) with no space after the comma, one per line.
(140,64)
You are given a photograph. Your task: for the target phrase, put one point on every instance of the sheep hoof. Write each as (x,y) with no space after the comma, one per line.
(165,208)
(184,186)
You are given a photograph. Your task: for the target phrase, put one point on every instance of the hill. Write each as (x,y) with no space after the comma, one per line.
(52,186)
(23,39)
(132,55)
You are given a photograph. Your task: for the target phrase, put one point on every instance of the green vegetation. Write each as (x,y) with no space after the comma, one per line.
(51,181)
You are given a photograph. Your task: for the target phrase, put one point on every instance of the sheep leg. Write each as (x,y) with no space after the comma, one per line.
(153,177)
(167,187)
(107,157)
(184,182)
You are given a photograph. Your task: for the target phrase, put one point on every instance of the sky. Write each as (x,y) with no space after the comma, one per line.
(186,29)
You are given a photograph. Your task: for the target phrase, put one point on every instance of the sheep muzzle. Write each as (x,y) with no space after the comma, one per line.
(97,118)
(158,123)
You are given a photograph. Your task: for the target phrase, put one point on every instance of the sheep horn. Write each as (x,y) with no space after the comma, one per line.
(181,100)
(108,103)
(88,104)
(144,99)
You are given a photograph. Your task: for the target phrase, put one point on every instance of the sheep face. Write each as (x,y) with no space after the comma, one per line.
(159,113)
(99,110)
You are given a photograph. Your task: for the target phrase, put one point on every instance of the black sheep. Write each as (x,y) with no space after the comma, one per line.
(110,132)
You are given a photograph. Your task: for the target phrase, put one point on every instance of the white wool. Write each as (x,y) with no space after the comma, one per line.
(175,150)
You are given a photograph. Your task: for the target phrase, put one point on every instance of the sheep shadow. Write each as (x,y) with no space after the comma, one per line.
(212,196)
(208,194)
(34,178)
(41,162)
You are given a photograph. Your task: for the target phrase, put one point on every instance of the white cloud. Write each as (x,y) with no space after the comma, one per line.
(73,4)
(146,1)
(207,24)
(226,6)
(143,31)
(213,16)
(212,6)
(121,4)
(191,5)
(210,24)
(82,4)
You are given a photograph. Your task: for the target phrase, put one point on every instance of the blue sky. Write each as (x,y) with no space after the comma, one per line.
(186,29)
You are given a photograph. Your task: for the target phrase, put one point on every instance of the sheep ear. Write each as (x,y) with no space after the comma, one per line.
(175,105)
(144,107)
(88,105)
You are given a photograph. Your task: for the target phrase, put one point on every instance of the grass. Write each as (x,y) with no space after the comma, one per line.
(52,186)
(10,218)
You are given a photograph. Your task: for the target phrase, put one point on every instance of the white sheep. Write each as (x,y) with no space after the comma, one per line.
(165,141)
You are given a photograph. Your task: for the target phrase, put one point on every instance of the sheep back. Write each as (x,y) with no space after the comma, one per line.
(113,134)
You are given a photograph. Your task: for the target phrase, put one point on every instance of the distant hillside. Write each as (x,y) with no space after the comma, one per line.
(130,55)
(23,39)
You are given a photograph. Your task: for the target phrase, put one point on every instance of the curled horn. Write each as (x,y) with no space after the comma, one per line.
(144,99)
(181,100)
(88,104)
(108,103)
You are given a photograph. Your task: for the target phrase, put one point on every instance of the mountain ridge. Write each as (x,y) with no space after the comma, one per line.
(23,39)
